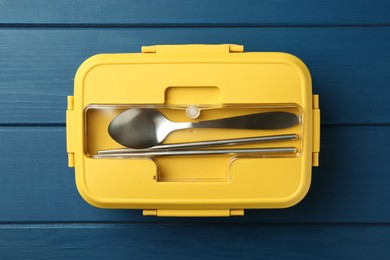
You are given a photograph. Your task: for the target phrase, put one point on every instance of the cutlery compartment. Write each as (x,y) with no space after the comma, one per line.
(97,119)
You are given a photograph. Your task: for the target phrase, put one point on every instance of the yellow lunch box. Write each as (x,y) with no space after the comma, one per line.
(193,83)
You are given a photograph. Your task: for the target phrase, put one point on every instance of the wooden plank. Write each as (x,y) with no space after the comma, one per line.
(195,12)
(188,241)
(351,185)
(349,66)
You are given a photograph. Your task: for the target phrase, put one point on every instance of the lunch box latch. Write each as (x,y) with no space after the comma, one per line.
(69,131)
(316,130)
(201,48)
(193,213)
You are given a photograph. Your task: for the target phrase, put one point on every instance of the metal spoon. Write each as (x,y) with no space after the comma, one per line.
(146,127)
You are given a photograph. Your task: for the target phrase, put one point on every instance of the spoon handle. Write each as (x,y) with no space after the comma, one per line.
(266,121)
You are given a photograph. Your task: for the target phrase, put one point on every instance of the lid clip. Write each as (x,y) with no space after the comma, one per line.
(69,131)
(193,212)
(316,130)
(223,48)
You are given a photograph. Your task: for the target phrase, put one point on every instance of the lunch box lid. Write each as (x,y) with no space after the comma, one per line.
(183,75)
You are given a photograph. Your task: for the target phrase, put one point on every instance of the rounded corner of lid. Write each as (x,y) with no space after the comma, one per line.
(297,63)
(89,64)
(87,195)
(298,195)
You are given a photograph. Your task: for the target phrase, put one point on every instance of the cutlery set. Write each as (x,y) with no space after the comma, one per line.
(142,130)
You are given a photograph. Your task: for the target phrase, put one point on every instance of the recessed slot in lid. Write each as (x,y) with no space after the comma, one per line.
(192,95)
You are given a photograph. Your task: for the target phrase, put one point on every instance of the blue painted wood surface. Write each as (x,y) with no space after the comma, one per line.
(193,241)
(348,65)
(345,44)
(168,13)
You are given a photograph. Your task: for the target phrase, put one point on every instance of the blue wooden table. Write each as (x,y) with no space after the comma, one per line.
(345,44)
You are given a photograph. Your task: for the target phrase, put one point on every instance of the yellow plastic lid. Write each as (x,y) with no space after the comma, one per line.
(220,81)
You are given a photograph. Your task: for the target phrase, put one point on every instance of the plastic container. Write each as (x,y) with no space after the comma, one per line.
(193,83)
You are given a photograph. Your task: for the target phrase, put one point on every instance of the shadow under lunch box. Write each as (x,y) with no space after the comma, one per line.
(193,83)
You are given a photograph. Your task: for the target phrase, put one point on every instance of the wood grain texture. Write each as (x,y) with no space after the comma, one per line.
(195,12)
(350,186)
(346,47)
(183,241)
(349,66)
